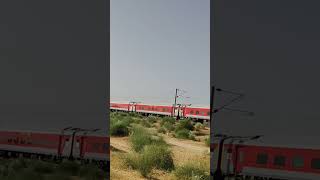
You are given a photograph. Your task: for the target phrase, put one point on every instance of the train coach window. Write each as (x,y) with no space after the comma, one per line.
(262,158)
(241,156)
(315,163)
(297,162)
(197,112)
(279,161)
(106,147)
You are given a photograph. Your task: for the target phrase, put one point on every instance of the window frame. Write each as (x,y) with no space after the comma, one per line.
(266,160)
(279,158)
(296,157)
(311,163)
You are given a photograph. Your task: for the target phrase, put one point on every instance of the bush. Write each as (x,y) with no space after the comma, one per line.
(119,125)
(184,124)
(207,140)
(137,115)
(119,129)
(17,164)
(192,136)
(58,177)
(118,114)
(162,130)
(169,120)
(192,171)
(168,126)
(132,160)
(69,168)
(152,119)
(135,161)
(153,156)
(198,126)
(145,123)
(139,138)
(91,172)
(42,167)
(25,174)
(182,134)
(160,155)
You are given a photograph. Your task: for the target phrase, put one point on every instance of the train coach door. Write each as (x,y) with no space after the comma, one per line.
(66,146)
(66,150)
(179,111)
(131,107)
(176,112)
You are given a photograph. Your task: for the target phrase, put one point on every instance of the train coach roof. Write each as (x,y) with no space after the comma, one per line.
(119,102)
(199,106)
(298,142)
(164,104)
(98,133)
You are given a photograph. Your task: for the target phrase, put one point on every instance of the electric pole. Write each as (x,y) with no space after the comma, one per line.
(175,98)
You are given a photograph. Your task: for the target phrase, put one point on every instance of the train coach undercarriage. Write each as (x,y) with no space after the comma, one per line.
(5,154)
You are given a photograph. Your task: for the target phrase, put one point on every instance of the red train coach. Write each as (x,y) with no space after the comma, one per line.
(269,161)
(194,113)
(154,109)
(120,106)
(197,113)
(55,146)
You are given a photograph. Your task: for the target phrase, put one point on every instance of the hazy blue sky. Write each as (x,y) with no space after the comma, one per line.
(157,46)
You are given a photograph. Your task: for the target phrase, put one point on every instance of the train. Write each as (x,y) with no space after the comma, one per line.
(269,161)
(93,148)
(196,113)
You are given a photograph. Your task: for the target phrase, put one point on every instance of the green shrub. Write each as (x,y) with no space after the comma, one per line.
(132,160)
(17,164)
(166,119)
(145,123)
(192,171)
(135,114)
(192,136)
(119,125)
(162,130)
(153,156)
(152,119)
(160,155)
(198,126)
(207,140)
(119,129)
(58,177)
(139,138)
(182,134)
(25,174)
(168,126)
(91,172)
(42,167)
(185,124)
(118,115)
(69,167)
(3,170)
(158,140)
